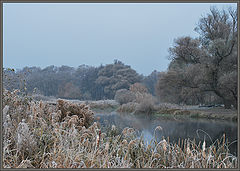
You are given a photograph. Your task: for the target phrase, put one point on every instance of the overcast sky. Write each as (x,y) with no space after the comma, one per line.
(138,34)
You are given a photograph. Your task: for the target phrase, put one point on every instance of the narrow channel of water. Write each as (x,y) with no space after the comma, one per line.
(198,129)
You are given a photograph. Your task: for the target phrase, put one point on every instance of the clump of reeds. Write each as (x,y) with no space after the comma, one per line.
(79,114)
(39,135)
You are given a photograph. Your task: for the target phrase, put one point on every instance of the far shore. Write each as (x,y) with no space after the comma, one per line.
(209,113)
(171,110)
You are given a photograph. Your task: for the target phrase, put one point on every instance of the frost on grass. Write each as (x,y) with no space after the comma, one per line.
(25,139)
(39,135)
(79,114)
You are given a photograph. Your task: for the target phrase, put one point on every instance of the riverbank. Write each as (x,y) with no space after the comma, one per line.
(164,109)
(174,110)
(209,113)
(97,106)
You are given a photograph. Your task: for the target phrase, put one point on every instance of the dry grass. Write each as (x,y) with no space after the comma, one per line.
(194,112)
(39,135)
(103,105)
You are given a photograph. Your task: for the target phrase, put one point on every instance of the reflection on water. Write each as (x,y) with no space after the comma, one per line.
(200,129)
(147,136)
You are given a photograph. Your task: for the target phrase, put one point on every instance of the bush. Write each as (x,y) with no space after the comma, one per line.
(136,100)
(146,105)
(138,87)
(124,96)
(128,108)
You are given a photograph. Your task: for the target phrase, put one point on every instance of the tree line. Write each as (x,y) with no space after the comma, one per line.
(202,70)
(83,83)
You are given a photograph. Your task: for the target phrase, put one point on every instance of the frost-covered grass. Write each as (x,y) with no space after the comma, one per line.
(39,135)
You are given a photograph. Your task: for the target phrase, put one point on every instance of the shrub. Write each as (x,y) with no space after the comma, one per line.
(146,104)
(138,87)
(143,102)
(124,96)
(127,108)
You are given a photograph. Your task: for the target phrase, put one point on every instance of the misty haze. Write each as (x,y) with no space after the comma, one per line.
(120,85)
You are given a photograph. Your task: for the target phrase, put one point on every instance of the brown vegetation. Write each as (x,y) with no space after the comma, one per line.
(39,135)
(137,100)
(79,113)
(127,108)
(124,96)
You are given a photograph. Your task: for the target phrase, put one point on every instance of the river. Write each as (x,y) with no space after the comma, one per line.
(174,128)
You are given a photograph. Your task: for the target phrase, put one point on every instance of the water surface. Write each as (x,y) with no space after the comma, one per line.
(174,128)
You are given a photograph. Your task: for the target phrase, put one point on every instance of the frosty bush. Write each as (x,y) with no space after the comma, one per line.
(124,96)
(146,104)
(127,108)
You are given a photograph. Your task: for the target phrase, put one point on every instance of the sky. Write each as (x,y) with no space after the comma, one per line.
(138,34)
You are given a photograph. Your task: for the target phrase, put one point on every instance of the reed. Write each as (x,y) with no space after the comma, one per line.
(39,135)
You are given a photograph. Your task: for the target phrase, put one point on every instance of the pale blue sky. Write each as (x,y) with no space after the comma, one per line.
(138,34)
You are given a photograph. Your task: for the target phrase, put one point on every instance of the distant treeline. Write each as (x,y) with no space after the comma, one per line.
(202,70)
(84,82)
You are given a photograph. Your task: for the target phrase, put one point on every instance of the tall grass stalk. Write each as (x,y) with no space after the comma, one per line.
(39,135)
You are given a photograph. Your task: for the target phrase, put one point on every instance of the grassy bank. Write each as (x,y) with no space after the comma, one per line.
(40,135)
(172,110)
(97,106)
(106,106)
(164,109)
(221,114)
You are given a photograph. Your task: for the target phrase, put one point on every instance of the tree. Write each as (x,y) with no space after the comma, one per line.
(113,77)
(69,91)
(219,37)
(205,64)
(150,82)
(85,78)
(167,87)
(94,83)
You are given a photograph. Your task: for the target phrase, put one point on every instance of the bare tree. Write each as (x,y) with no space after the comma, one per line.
(205,64)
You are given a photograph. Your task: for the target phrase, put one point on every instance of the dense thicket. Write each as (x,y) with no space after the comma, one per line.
(204,69)
(84,82)
(116,76)
(150,81)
